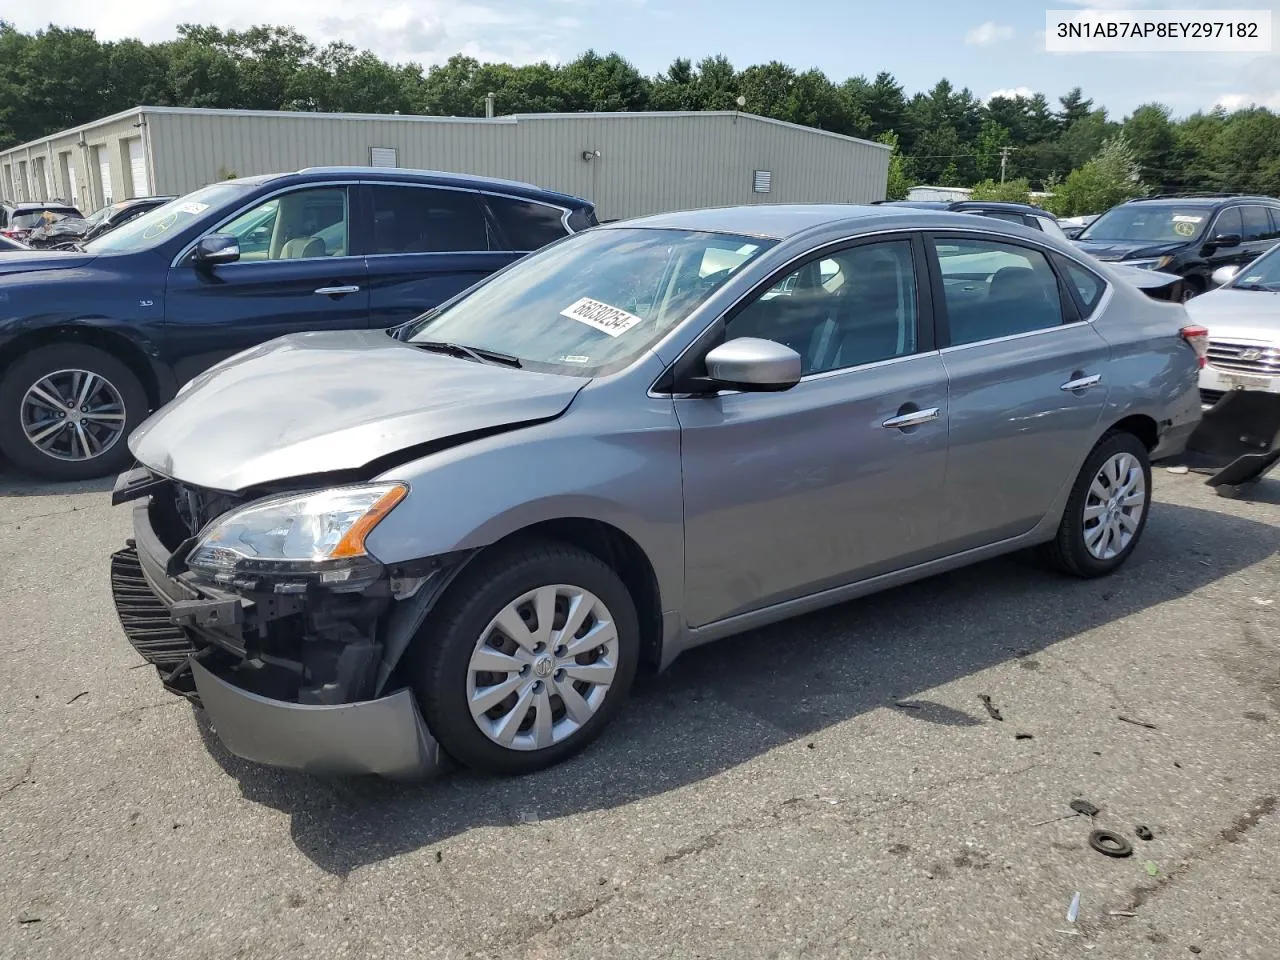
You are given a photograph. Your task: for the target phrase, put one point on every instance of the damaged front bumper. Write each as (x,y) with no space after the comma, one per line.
(295,680)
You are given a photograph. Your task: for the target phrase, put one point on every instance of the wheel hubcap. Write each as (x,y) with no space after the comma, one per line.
(542,667)
(1114,507)
(73,415)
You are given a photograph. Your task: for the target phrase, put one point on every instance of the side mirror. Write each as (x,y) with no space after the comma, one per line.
(1223,275)
(1224,241)
(752,364)
(215,249)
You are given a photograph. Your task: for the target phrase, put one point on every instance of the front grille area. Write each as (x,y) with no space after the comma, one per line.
(1247,358)
(1210,397)
(146,623)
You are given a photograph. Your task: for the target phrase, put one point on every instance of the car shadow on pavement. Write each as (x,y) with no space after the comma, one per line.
(15,484)
(723,704)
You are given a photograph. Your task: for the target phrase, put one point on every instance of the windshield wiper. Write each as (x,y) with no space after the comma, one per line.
(478,354)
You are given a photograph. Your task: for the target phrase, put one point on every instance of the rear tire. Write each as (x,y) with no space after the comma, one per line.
(468,649)
(1107,510)
(93,441)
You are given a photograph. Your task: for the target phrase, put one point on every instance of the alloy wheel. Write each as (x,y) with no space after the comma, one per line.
(542,667)
(1114,506)
(73,415)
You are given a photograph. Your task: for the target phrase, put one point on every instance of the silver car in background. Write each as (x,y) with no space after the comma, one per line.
(370,553)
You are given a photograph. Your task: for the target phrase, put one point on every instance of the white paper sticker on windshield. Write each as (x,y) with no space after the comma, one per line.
(1257,277)
(193,207)
(1186,218)
(576,358)
(603,317)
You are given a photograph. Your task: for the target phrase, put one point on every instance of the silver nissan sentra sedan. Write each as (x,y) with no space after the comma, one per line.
(364,552)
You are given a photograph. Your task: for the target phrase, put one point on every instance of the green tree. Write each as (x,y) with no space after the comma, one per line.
(900,177)
(1111,177)
(1011,191)
(1154,140)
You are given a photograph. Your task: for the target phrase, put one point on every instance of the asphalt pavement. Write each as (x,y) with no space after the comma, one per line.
(831,787)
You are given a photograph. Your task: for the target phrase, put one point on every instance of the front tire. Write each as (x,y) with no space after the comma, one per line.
(529,656)
(66,412)
(1107,510)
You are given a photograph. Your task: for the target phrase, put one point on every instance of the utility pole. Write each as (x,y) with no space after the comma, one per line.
(1004,161)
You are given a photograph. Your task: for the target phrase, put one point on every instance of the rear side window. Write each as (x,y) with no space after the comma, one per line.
(528,225)
(1088,286)
(409,219)
(1257,225)
(1274,232)
(996,290)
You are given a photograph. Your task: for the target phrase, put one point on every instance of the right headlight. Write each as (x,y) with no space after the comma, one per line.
(318,535)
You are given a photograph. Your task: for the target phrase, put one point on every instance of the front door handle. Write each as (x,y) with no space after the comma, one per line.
(338,291)
(912,419)
(1081,383)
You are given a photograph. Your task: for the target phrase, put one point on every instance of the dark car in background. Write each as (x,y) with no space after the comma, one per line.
(69,231)
(91,341)
(1020,213)
(17,220)
(1190,235)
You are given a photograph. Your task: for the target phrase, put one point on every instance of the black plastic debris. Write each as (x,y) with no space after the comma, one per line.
(1143,832)
(1109,843)
(992,711)
(1084,808)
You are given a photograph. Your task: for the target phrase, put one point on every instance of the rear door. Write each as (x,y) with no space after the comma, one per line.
(1255,233)
(297,272)
(1028,384)
(424,245)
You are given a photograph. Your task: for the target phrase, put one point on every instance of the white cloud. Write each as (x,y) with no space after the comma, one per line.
(426,31)
(1238,101)
(1011,93)
(988,33)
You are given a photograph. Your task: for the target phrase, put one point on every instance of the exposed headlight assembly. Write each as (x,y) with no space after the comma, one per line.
(1151,263)
(315,536)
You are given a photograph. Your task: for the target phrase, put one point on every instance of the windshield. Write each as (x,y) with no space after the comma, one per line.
(98,214)
(1148,223)
(156,226)
(1262,274)
(36,218)
(593,302)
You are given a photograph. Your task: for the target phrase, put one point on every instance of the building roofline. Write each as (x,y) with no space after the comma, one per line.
(420,118)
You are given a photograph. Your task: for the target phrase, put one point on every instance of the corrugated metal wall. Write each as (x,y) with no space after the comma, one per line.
(648,163)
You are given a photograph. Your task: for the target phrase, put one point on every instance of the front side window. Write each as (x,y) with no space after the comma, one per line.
(527,225)
(996,289)
(593,303)
(843,309)
(302,225)
(1228,223)
(426,220)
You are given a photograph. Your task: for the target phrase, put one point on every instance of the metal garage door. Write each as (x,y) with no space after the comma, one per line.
(138,168)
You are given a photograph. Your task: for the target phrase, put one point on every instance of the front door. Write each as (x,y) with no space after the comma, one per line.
(427,244)
(840,477)
(1029,383)
(296,273)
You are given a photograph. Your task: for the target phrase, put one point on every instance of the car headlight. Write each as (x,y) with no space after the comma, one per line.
(312,536)
(1150,263)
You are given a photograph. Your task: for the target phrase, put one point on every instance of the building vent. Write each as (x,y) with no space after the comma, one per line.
(382,156)
(761,180)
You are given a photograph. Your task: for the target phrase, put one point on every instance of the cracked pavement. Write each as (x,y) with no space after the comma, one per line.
(830,787)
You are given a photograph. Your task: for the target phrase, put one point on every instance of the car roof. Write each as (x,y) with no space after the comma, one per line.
(440,178)
(1198,201)
(781,221)
(1010,205)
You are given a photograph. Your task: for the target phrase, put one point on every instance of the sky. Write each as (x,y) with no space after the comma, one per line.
(988,46)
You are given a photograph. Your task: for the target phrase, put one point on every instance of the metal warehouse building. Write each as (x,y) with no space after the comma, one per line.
(628,164)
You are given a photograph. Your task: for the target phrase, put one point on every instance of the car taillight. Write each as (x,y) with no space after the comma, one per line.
(1198,337)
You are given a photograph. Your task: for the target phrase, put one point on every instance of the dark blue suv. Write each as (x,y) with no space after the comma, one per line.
(92,341)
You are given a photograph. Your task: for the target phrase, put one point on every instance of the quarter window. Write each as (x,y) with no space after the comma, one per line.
(295,226)
(427,220)
(528,225)
(996,290)
(1088,285)
(840,310)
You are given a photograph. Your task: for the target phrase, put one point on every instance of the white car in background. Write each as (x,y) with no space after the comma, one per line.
(1243,319)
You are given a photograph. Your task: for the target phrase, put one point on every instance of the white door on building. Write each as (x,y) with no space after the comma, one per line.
(104,170)
(138,168)
(71,182)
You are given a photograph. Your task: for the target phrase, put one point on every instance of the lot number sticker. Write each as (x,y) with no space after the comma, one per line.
(601,316)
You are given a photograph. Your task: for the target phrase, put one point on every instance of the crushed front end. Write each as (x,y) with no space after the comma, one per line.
(294,661)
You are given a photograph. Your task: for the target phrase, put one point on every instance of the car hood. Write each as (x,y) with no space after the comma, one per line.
(1125,249)
(27,261)
(316,403)
(1144,279)
(1238,314)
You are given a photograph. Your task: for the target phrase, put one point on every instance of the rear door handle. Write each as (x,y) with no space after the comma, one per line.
(338,291)
(912,419)
(1082,383)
